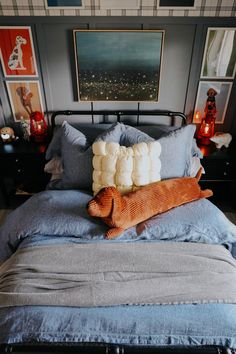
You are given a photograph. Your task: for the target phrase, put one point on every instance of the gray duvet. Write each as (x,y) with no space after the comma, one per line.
(86,275)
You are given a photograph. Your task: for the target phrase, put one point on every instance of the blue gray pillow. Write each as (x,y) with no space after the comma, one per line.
(77,156)
(177,148)
(176,153)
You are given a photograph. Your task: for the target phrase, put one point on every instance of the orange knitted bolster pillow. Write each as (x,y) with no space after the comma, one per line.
(122,212)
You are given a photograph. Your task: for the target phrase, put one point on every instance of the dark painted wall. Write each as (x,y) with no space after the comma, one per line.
(182,56)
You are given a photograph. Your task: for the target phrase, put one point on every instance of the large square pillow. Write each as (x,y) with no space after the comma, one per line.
(177,149)
(77,156)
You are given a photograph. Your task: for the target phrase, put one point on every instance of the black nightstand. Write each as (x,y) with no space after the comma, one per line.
(22,170)
(220,173)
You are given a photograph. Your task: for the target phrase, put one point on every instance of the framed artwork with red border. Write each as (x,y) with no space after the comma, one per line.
(17,51)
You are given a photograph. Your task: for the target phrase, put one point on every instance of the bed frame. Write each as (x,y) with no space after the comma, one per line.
(103,348)
(120,114)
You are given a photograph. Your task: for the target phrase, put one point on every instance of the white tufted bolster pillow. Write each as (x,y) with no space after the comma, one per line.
(125,168)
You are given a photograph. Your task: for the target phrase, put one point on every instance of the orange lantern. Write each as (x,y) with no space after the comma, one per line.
(206,130)
(38,127)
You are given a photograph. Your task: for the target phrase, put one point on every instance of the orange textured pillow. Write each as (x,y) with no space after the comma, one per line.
(121,212)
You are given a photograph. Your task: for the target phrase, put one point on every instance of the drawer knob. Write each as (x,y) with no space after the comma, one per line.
(19,170)
(17,160)
(227,163)
(225,173)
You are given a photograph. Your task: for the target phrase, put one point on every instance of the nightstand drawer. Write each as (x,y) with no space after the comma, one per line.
(16,166)
(218,169)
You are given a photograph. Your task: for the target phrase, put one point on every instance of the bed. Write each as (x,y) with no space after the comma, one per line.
(64,288)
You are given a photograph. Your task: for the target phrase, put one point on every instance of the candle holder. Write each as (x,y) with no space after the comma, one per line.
(38,127)
(206,130)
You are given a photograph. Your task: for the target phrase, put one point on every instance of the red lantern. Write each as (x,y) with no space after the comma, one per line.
(206,130)
(38,127)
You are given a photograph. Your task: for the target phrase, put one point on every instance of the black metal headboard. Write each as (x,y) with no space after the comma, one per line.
(119,114)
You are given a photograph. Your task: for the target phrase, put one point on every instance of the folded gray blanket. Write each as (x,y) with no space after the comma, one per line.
(117,273)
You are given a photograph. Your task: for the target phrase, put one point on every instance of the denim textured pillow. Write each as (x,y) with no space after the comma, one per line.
(176,153)
(90,131)
(159,131)
(77,156)
(54,148)
(131,135)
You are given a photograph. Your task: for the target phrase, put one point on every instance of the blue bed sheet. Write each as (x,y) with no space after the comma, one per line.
(204,324)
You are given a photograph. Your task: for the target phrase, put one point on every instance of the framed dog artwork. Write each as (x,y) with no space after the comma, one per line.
(216,94)
(25,98)
(17,52)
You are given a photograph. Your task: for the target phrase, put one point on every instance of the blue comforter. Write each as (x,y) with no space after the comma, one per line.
(61,217)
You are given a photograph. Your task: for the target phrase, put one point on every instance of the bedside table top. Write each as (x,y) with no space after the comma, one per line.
(211,152)
(22,147)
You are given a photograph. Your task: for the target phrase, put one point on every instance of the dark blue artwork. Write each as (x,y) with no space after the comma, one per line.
(118,65)
(64,3)
(176,3)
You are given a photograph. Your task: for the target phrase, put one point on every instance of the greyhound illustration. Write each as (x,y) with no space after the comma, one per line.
(16,58)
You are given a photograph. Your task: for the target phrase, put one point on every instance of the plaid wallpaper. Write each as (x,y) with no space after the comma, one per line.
(214,8)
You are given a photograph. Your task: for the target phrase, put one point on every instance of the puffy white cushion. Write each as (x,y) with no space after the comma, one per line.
(126,168)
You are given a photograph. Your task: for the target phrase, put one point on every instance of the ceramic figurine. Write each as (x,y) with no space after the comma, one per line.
(25,126)
(221,139)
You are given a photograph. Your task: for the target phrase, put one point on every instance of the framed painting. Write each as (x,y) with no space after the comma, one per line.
(25,98)
(118,65)
(221,92)
(63,4)
(219,59)
(17,52)
(176,4)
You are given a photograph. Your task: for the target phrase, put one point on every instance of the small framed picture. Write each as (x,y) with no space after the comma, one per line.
(218,94)
(17,52)
(63,4)
(219,59)
(176,4)
(118,65)
(25,98)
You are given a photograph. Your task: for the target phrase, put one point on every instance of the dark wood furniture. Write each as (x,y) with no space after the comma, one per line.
(22,170)
(220,173)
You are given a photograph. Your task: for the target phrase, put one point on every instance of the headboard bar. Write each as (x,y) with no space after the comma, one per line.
(119,114)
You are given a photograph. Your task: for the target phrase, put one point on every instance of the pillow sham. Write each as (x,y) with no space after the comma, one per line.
(77,156)
(54,147)
(176,153)
(177,148)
